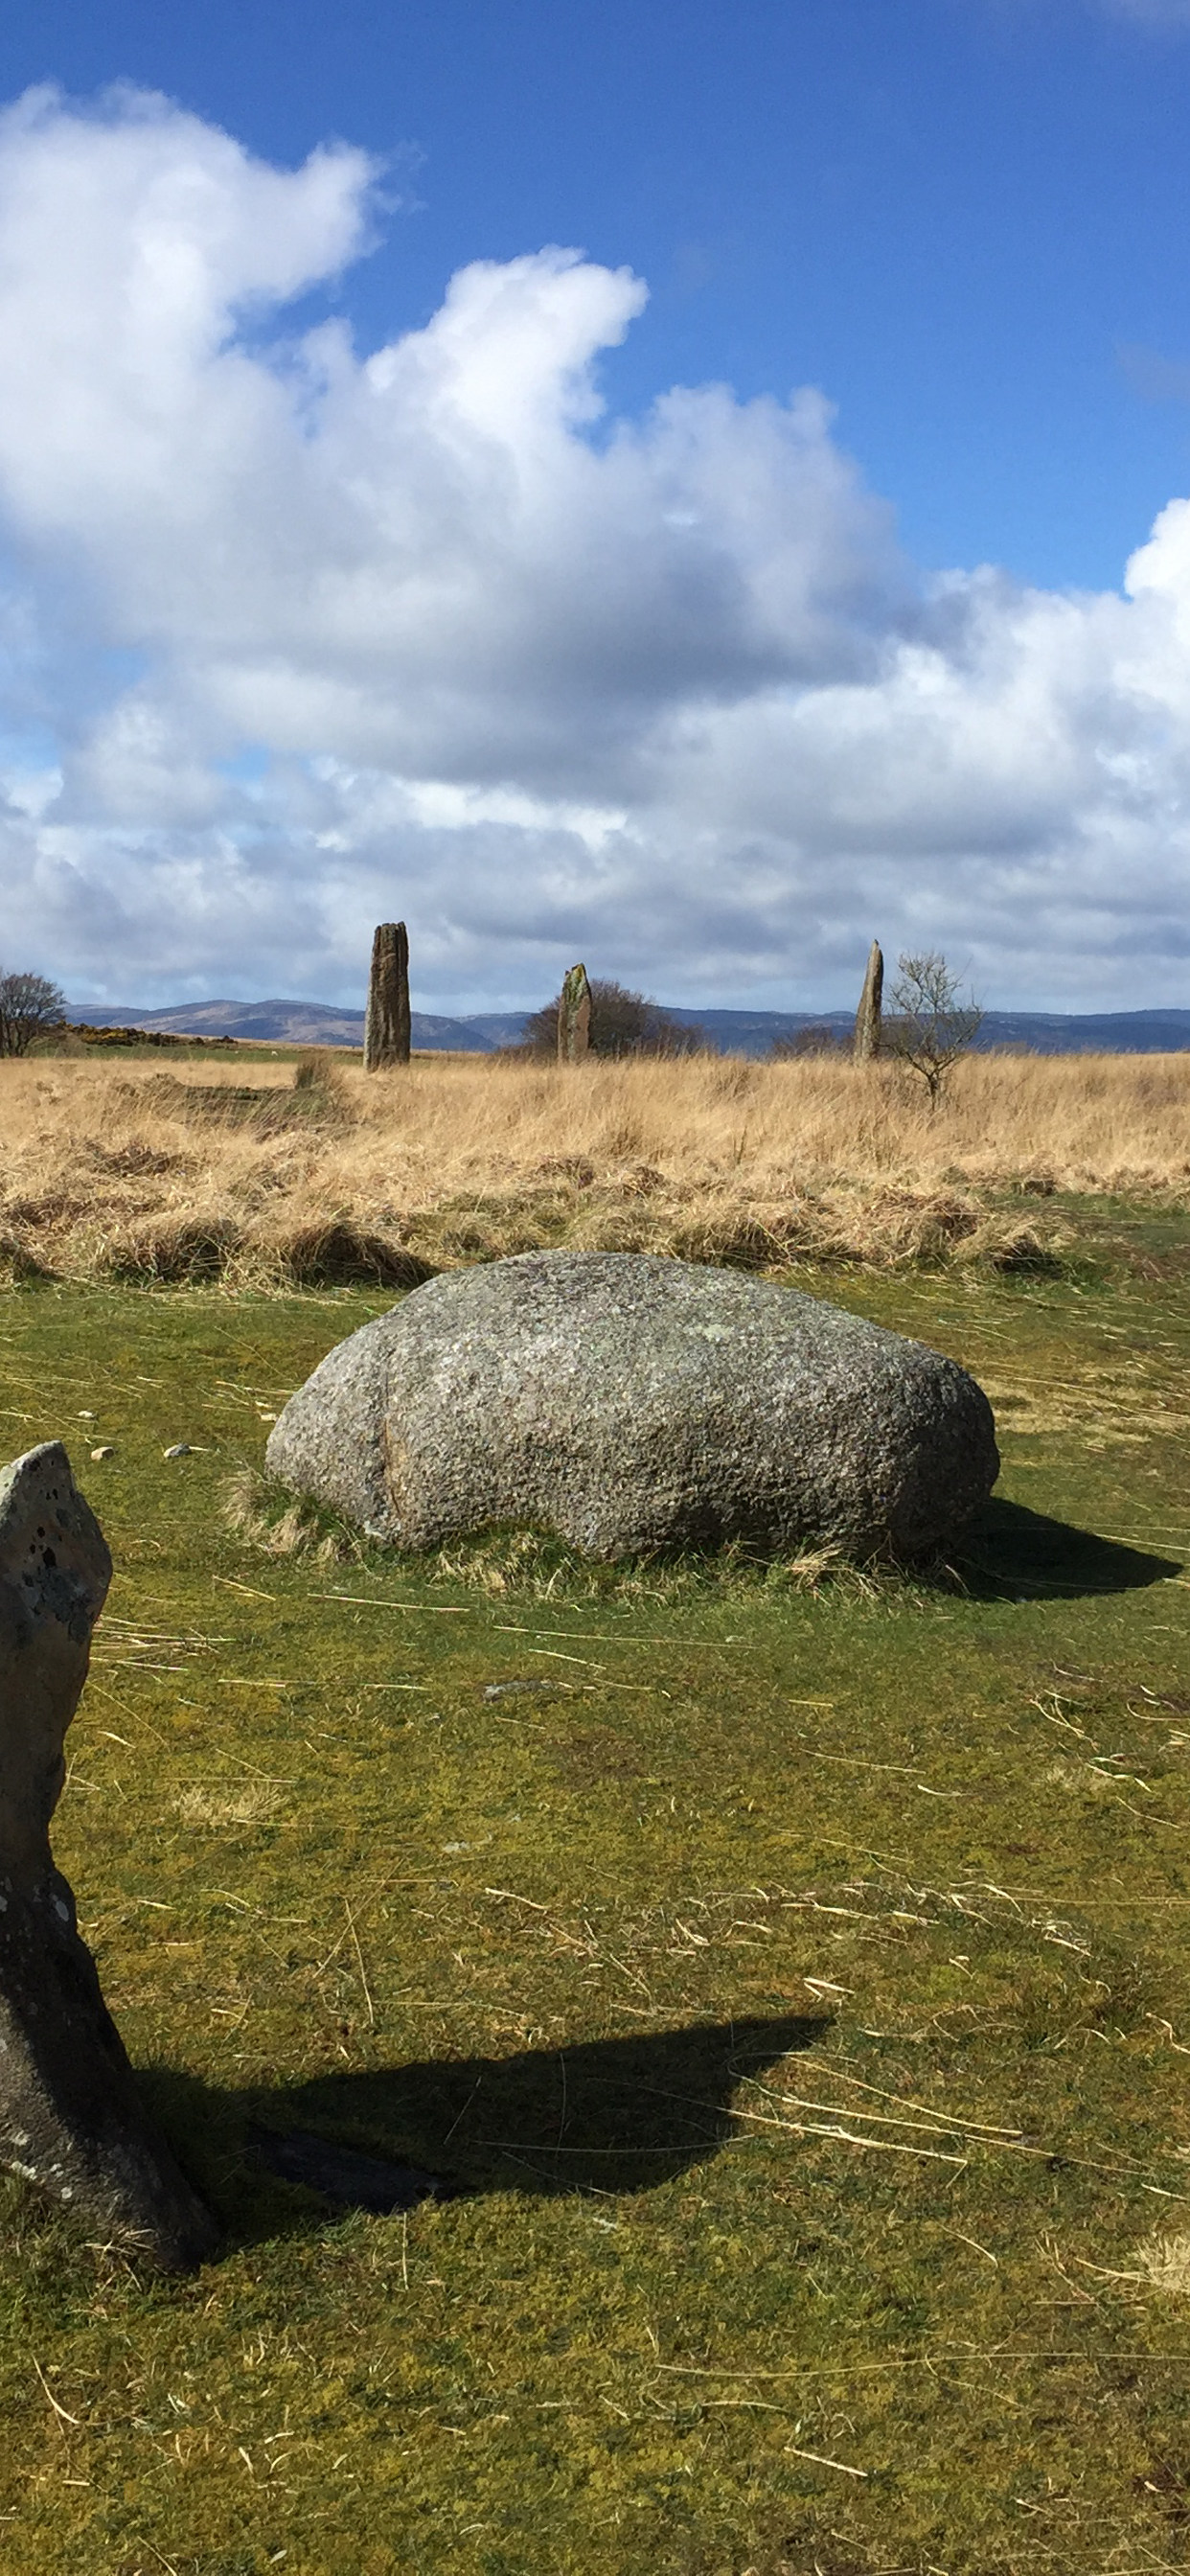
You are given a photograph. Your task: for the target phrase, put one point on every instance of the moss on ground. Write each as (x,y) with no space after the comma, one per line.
(795,1981)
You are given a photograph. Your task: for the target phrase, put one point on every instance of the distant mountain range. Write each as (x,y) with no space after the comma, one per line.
(299,1024)
(1042,1032)
(731,1032)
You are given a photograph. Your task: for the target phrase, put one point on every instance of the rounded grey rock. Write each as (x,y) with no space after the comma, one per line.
(628,1402)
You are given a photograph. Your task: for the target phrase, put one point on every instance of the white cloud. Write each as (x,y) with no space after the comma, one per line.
(306,636)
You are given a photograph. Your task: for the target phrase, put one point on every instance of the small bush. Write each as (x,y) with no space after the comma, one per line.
(623,1023)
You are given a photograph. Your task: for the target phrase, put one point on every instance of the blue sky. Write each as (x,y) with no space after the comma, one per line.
(963,222)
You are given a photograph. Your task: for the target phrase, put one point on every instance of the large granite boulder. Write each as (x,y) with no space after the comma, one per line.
(71,2118)
(628,1402)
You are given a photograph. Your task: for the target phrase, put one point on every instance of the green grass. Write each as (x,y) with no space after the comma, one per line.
(797,1985)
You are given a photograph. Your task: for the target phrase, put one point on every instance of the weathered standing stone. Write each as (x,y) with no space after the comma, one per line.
(867,1018)
(71,2119)
(386,1020)
(629,1402)
(574,1017)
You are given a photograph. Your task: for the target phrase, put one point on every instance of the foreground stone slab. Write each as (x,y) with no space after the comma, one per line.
(629,1402)
(71,2119)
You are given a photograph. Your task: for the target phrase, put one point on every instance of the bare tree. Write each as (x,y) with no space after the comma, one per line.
(29,1005)
(931,1026)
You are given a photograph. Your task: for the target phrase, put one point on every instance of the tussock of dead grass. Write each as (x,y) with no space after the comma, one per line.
(1165,2263)
(530,1564)
(273,1523)
(252,1805)
(17,1262)
(111,1172)
(533,1566)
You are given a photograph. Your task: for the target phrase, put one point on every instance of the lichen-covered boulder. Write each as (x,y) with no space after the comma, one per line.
(71,2118)
(628,1402)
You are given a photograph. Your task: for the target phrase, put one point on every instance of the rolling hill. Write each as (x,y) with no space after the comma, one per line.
(750,1033)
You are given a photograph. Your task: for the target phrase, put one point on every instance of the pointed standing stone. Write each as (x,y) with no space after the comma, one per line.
(574,1017)
(867,1018)
(71,2119)
(386,1021)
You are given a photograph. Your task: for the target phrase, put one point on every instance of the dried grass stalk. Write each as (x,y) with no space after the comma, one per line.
(111,1171)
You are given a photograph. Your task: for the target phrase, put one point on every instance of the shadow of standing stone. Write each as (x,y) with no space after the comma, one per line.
(71,2119)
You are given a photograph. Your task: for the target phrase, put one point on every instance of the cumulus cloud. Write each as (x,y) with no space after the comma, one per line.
(296,635)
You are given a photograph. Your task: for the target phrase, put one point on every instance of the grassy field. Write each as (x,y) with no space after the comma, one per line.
(152,1169)
(796,1982)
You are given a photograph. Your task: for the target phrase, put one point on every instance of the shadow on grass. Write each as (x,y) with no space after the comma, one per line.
(1013,1554)
(607,2117)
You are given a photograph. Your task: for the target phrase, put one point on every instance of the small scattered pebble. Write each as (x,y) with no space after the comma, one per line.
(106,1451)
(265,1417)
(180,1449)
(84,1416)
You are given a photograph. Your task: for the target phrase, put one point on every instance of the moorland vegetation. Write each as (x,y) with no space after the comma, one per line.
(788,1965)
(270,1173)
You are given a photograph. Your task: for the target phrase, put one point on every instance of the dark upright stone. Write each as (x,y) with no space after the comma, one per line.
(867,1018)
(386,1020)
(71,2119)
(574,1017)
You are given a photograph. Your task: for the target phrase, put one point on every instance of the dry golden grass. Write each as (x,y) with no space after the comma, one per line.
(1166,2264)
(232,1172)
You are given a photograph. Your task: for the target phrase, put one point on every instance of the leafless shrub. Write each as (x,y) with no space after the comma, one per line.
(930,1026)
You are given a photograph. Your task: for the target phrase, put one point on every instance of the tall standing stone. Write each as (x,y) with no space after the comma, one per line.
(574,1017)
(386,1021)
(867,1018)
(71,2118)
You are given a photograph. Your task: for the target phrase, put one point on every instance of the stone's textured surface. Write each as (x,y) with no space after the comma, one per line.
(574,1017)
(387,1024)
(71,2119)
(54,1573)
(628,1402)
(867,1018)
